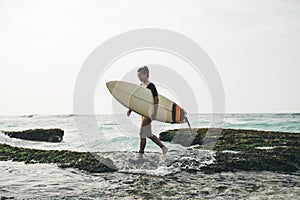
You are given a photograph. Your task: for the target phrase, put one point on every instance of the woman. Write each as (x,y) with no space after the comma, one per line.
(145,131)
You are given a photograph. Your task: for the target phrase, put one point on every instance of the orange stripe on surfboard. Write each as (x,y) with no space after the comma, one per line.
(177,113)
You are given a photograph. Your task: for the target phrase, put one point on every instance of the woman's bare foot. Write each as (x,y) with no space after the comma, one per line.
(140,156)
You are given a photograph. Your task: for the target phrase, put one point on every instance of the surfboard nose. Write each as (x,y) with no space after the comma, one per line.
(111,85)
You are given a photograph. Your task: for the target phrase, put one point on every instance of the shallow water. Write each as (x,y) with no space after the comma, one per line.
(177,176)
(44,180)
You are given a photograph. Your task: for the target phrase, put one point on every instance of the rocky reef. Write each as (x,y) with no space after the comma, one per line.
(65,159)
(238,150)
(48,135)
(235,150)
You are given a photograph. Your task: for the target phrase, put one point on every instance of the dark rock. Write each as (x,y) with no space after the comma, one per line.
(48,135)
(185,137)
(250,150)
(65,159)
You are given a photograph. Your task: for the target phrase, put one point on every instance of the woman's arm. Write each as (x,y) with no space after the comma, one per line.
(155,107)
(154,92)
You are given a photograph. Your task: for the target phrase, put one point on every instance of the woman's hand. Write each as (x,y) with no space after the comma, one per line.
(129,112)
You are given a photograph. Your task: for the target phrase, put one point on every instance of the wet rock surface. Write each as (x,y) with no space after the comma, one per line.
(233,150)
(65,159)
(248,150)
(48,135)
(40,181)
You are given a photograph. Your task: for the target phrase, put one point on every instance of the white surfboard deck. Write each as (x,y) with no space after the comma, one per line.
(140,100)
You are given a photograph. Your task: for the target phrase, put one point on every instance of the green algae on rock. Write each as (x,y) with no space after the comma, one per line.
(239,149)
(65,159)
(185,137)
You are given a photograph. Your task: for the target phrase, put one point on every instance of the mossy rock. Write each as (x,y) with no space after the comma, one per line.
(65,159)
(239,149)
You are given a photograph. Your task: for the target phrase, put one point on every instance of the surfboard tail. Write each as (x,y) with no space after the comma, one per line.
(178,114)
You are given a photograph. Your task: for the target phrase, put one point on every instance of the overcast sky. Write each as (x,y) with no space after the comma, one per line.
(254,45)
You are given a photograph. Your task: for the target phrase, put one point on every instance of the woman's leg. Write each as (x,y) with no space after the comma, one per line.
(147,132)
(142,145)
(157,141)
(144,132)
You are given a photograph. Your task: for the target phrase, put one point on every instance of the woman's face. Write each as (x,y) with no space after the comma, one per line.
(142,77)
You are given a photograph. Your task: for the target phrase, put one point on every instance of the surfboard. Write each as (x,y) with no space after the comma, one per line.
(140,100)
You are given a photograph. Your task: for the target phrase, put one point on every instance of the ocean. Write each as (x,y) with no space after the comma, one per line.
(117,138)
